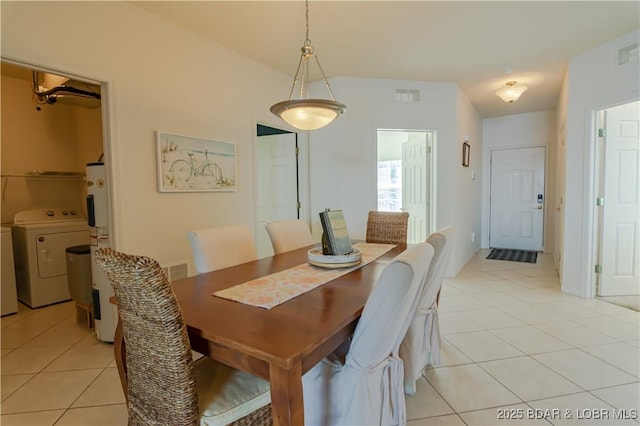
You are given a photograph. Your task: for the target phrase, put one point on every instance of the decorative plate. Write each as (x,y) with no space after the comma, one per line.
(335,265)
(316,257)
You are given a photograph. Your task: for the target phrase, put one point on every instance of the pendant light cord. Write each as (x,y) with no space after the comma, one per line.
(303,65)
(305,113)
(307,42)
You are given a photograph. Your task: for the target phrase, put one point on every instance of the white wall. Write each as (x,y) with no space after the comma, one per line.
(160,77)
(595,81)
(561,173)
(343,162)
(468,189)
(518,131)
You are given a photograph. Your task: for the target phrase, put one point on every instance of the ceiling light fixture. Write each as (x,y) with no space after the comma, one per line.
(305,113)
(512,92)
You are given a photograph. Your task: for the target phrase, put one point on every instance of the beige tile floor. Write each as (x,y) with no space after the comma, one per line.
(514,345)
(55,371)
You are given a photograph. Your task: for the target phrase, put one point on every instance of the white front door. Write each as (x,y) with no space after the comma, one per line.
(621,214)
(517,198)
(415,187)
(276,184)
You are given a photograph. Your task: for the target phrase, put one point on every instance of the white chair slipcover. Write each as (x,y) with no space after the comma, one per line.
(421,345)
(221,247)
(367,389)
(289,235)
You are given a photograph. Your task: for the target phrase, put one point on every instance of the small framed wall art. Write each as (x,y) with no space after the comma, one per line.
(466,152)
(188,164)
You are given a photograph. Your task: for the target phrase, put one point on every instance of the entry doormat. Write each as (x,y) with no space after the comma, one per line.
(514,255)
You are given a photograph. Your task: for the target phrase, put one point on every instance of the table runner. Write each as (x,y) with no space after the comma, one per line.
(272,290)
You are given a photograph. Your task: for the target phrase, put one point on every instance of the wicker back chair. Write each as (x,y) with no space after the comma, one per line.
(164,386)
(387,227)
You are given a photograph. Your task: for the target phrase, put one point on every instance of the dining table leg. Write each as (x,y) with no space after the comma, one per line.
(287,404)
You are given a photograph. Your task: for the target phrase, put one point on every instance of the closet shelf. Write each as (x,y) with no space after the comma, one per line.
(48,174)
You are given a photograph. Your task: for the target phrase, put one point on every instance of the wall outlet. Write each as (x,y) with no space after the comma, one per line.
(473,236)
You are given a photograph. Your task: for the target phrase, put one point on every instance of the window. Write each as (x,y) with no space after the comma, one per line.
(390,185)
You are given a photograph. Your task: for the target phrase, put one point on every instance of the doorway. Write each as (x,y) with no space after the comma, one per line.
(405,178)
(618,202)
(55,126)
(277,181)
(517,198)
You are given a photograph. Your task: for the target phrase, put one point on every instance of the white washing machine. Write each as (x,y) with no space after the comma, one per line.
(40,240)
(8,296)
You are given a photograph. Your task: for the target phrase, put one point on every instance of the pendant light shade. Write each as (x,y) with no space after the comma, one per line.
(304,113)
(308,114)
(512,92)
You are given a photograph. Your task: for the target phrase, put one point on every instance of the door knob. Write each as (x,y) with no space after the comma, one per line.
(539,207)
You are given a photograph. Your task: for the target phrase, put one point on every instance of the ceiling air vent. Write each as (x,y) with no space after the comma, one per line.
(628,54)
(407,95)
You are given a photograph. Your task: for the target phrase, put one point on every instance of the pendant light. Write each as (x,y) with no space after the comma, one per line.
(305,113)
(512,92)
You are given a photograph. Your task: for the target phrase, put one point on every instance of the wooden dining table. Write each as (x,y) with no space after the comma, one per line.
(278,344)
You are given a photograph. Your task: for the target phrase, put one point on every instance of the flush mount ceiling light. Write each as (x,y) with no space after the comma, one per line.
(305,113)
(512,92)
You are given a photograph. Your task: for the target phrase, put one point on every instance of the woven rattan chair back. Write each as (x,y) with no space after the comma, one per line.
(161,383)
(387,227)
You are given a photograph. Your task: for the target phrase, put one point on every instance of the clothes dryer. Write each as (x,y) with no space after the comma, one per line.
(40,240)
(8,296)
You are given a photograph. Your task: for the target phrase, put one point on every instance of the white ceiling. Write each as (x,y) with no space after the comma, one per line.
(469,43)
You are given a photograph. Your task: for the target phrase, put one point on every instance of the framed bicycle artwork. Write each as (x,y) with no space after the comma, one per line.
(187,164)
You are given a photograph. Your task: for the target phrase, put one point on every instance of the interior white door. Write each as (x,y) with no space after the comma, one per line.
(276,184)
(517,198)
(621,214)
(415,187)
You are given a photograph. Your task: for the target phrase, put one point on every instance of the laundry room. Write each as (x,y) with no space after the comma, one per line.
(51,128)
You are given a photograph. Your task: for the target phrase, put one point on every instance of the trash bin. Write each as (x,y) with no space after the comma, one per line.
(79,273)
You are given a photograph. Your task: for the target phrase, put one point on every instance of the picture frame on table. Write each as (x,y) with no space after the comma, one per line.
(335,235)
(466,152)
(188,164)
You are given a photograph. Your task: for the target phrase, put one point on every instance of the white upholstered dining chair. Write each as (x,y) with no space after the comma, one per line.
(221,247)
(164,385)
(287,235)
(366,387)
(421,345)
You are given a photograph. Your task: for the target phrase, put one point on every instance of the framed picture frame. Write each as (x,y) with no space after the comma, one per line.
(187,164)
(466,152)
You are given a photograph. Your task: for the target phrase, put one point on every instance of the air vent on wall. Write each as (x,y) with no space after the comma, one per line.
(407,95)
(628,54)
(176,271)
